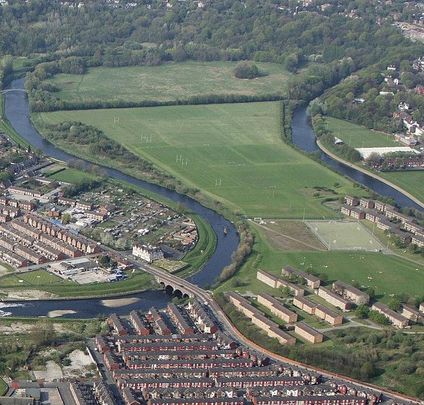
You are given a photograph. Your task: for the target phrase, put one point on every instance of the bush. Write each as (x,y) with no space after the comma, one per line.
(246,70)
(379,318)
(406,367)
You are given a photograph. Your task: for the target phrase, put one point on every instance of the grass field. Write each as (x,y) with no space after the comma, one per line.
(167,82)
(386,273)
(233,152)
(358,136)
(73,176)
(345,235)
(33,278)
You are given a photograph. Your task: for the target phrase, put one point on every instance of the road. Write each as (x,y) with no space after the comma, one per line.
(206,298)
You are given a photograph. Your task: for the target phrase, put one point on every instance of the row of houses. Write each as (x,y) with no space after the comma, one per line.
(201,318)
(85,245)
(383,215)
(202,368)
(21,204)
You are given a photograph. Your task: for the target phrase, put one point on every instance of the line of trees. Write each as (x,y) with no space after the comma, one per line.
(240,255)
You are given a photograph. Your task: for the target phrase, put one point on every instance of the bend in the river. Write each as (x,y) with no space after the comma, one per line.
(18,114)
(305,139)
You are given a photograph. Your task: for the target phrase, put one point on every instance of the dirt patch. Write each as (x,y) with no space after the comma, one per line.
(289,235)
(119,302)
(25,328)
(26,294)
(53,372)
(80,364)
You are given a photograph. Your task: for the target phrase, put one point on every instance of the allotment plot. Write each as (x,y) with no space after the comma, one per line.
(345,235)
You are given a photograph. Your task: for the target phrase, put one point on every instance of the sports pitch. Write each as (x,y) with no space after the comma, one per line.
(232,152)
(344,235)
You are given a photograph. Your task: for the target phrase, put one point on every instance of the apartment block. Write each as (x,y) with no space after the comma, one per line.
(411,313)
(351,293)
(334,299)
(396,319)
(309,334)
(352,201)
(367,204)
(277,308)
(305,305)
(311,280)
(267,278)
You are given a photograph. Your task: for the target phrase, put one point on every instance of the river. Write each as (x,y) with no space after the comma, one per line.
(17,112)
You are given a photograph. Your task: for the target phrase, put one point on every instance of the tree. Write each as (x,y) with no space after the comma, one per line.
(246,70)
(66,218)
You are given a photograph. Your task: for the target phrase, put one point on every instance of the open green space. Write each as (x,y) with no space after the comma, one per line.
(357,136)
(73,176)
(44,281)
(387,274)
(232,152)
(167,82)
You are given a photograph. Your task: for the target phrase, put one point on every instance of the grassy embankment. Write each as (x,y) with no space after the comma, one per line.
(361,137)
(3,387)
(167,82)
(42,280)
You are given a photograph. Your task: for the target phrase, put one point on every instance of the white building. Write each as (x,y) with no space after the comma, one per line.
(147,252)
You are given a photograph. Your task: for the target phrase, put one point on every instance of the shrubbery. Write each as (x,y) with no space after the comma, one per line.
(246,70)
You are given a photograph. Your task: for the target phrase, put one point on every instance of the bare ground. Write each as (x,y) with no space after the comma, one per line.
(289,235)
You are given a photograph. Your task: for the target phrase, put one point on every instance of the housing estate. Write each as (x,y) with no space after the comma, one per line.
(207,368)
(386,217)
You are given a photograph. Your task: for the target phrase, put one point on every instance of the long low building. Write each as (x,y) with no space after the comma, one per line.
(396,319)
(258,319)
(275,282)
(277,308)
(320,311)
(310,400)
(350,293)
(308,333)
(328,315)
(334,299)
(311,280)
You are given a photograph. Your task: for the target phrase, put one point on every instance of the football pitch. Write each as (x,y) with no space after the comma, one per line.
(345,235)
(232,152)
